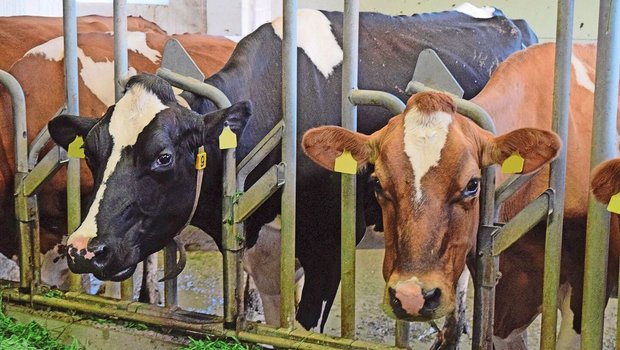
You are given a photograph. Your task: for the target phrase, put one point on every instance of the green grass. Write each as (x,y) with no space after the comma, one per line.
(31,336)
(208,344)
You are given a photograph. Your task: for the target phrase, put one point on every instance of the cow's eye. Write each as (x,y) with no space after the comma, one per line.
(164,160)
(376,184)
(472,188)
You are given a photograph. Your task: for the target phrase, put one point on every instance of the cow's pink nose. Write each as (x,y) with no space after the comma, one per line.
(409,299)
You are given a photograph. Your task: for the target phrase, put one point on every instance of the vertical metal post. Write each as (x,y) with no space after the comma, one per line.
(24,212)
(120,70)
(487,267)
(229,239)
(350,41)
(603,147)
(170,285)
(73,107)
(289,153)
(561,106)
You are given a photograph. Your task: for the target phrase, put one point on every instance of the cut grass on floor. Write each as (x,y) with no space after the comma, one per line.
(208,344)
(31,336)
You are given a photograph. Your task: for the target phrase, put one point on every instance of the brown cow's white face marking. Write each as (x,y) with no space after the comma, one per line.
(425,137)
(132,114)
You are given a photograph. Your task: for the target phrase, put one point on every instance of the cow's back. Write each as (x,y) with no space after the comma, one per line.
(21,33)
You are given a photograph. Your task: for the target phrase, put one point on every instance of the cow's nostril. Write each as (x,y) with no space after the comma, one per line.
(393,299)
(432,298)
(100,252)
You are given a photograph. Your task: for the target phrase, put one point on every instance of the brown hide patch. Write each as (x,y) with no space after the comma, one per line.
(606,180)
(430,102)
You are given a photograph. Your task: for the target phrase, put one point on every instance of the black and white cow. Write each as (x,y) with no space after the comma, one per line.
(142,151)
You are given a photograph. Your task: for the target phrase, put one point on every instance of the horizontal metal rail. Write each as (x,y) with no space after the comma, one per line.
(377,98)
(507,188)
(260,152)
(46,168)
(523,222)
(264,188)
(189,322)
(195,86)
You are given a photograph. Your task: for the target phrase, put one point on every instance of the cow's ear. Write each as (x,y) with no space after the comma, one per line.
(606,180)
(537,147)
(326,143)
(65,128)
(236,117)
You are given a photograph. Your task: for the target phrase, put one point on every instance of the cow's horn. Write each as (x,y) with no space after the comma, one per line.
(180,265)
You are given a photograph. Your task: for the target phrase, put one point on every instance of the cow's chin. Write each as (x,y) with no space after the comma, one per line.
(119,276)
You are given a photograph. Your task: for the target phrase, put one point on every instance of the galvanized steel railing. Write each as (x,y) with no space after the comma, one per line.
(491,241)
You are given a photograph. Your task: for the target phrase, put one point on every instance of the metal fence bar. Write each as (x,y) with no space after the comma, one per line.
(22,204)
(289,154)
(120,70)
(350,41)
(603,147)
(561,106)
(73,107)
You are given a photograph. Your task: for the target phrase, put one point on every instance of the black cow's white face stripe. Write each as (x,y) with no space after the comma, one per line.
(132,114)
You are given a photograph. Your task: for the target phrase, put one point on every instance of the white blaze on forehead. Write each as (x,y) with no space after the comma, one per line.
(581,73)
(315,37)
(474,11)
(425,137)
(132,114)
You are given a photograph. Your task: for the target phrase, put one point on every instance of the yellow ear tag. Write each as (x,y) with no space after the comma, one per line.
(513,164)
(614,204)
(228,139)
(76,148)
(345,163)
(201,160)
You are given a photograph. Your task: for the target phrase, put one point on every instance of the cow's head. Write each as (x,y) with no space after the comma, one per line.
(606,180)
(142,154)
(427,168)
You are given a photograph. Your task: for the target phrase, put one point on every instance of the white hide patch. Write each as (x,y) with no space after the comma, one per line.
(474,11)
(581,73)
(315,37)
(568,339)
(136,42)
(98,76)
(425,137)
(132,114)
(180,99)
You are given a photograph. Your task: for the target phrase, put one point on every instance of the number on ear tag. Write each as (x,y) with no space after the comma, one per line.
(345,163)
(201,160)
(614,204)
(228,139)
(513,164)
(76,148)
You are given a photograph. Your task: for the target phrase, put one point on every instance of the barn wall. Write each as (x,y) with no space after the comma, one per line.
(179,16)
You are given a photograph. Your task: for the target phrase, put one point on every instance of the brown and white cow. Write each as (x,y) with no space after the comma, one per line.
(18,34)
(41,74)
(427,164)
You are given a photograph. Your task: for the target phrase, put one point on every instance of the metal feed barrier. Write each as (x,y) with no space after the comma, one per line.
(238,205)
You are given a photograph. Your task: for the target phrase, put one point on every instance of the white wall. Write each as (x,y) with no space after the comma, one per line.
(179,16)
